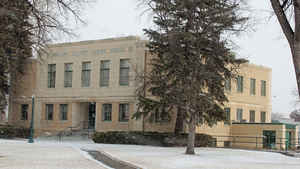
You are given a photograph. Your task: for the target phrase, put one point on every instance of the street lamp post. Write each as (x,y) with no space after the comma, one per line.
(32,122)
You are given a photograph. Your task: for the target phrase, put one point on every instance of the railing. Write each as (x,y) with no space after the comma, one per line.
(83,126)
(257,142)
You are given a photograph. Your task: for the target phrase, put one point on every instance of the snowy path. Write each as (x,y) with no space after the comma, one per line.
(22,155)
(207,158)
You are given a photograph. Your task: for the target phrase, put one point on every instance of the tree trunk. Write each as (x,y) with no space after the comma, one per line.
(296,61)
(179,121)
(191,138)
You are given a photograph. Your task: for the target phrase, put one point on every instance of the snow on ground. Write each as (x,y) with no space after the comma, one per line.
(206,158)
(68,155)
(18,154)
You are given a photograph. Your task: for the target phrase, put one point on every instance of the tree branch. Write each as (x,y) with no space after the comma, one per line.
(283,21)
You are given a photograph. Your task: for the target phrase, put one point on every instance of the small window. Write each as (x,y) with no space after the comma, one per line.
(252,86)
(263,117)
(124,112)
(86,74)
(106,112)
(240,84)
(227,115)
(124,72)
(51,75)
(252,116)
(63,112)
(162,116)
(104,73)
(68,75)
(239,115)
(24,112)
(263,87)
(49,112)
(228,84)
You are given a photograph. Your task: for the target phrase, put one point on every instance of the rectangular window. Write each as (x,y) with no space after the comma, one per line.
(240,84)
(263,117)
(228,84)
(68,75)
(51,75)
(239,115)
(263,87)
(104,73)
(63,112)
(252,116)
(124,72)
(24,112)
(106,112)
(227,115)
(49,112)
(123,112)
(86,74)
(252,86)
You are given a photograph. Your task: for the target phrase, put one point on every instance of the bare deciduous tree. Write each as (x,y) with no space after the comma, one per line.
(26,26)
(283,9)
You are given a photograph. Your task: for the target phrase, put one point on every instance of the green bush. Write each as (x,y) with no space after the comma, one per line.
(151,138)
(7,131)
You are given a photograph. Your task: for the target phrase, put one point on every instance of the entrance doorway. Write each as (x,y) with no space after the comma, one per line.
(269,140)
(92,115)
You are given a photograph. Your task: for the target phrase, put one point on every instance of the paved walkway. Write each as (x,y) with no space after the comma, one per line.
(22,155)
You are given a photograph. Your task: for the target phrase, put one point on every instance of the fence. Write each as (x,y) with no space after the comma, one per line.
(256,142)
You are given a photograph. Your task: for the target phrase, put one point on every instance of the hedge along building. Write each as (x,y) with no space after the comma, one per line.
(92,84)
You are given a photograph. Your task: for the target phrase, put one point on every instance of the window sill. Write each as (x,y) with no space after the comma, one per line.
(123,121)
(106,121)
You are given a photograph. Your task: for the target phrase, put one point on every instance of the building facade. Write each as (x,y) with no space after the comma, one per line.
(92,84)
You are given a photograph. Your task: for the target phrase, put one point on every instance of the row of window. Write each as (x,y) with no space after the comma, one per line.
(239,116)
(106,112)
(86,74)
(240,85)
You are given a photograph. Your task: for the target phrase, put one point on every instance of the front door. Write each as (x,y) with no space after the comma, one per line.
(269,140)
(92,115)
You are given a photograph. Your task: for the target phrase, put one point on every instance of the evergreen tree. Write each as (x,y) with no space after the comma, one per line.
(191,60)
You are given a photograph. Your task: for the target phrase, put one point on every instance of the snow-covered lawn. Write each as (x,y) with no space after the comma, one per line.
(149,157)
(68,155)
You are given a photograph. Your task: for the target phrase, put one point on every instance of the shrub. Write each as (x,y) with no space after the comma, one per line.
(7,131)
(151,138)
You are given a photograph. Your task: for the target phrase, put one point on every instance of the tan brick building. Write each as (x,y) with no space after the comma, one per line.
(92,84)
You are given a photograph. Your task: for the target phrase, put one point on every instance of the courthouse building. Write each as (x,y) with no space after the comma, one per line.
(92,84)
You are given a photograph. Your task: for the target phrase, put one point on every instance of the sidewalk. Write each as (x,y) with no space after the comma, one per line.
(22,155)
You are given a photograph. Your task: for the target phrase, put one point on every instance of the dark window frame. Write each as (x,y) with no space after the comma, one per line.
(263,116)
(86,74)
(252,86)
(227,111)
(124,80)
(107,112)
(239,113)
(63,108)
(49,114)
(104,71)
(263,88)
(252,116)
(240,84)
(24,113)
(51,75)
(124,112)
(68,74)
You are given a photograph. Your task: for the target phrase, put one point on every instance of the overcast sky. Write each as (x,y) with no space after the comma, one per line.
(265,46)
